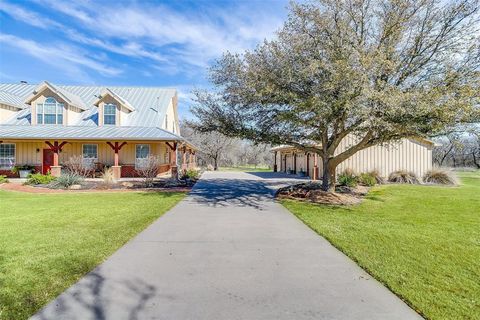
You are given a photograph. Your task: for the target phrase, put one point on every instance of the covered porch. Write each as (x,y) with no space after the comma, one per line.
(47,148)
(125,157)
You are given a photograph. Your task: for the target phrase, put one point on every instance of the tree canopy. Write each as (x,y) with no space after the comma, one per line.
(380,70)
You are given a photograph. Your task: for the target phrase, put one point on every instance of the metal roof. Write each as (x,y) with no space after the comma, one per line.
(150,103)
(11,100)
(48,132)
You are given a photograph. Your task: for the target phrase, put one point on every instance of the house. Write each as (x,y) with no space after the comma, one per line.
(413,154)
(45,125)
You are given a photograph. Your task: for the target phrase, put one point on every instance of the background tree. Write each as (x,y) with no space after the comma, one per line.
(376,69)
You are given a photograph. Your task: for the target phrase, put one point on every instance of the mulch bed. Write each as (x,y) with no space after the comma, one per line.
(312,192)
(100,187)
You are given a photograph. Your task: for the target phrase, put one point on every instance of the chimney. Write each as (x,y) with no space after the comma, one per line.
(23,82)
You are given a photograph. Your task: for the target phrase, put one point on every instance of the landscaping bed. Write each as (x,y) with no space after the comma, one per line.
(311,191)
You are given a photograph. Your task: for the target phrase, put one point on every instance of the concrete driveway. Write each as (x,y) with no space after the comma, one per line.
(228,251)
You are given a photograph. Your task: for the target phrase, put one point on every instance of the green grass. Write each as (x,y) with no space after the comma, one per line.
(245,169)
(49,241)
(423,242)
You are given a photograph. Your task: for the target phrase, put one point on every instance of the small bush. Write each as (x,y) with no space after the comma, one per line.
(149,169)
(348,178)
(439,176)
(378,177)
(38,178)
(191,174)
(3,179)
(367,179)
(76,166)
(403,176)
(107,176)
(26,167)
(67,180)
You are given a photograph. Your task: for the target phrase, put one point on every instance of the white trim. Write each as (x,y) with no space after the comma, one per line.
(14,156)
(92,164)
(138,160)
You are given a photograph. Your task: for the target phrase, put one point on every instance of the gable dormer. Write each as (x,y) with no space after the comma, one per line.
(112,108)
(52,105)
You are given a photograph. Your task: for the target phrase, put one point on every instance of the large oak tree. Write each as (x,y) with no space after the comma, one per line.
(380,70)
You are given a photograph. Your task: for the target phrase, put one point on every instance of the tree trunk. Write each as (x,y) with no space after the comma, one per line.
(329,178)
(215,164)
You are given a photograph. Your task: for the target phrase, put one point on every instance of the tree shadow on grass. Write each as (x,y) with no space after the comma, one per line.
(96,297)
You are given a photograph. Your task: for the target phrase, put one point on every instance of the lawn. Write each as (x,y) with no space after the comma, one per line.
(423,242)
(49,241)
(245,169)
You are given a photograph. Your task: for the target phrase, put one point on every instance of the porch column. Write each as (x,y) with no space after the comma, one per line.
(117,169)
(190,159)
(184,158)
(275,162)
(295,163)
(173,159)
(56,147)
(315,167)
(308,163)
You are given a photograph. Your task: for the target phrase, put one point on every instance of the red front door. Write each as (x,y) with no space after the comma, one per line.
(47,160)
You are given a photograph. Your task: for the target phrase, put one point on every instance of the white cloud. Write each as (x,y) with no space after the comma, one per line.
(28,16)
(195,38)
(60,55)
(173,42)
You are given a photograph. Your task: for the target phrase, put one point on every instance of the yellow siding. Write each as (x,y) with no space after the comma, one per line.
(6,112)
(26,151)
(407,154)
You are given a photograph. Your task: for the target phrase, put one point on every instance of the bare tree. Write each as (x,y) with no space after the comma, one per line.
(213,146)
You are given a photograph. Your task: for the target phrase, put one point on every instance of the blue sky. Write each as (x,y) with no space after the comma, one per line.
(146,43)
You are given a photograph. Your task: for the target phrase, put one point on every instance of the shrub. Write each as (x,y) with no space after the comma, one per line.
(76,166)
(367,179)
(191,174)
(67,180)
(149,169)
(107,176)
(3,179)
(439,176)
(26,167)
(378,177)
(403,176)
(348,178)
(38,178)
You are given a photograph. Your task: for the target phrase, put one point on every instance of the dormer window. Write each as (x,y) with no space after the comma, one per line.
(109,114)
(50,112)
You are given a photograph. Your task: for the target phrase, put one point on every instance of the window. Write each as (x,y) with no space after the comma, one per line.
(141,155)
(109,114)
(90,155)
(7,155)
(50,112)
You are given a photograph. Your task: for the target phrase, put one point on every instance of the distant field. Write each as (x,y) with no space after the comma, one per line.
(246,169)
(423,242)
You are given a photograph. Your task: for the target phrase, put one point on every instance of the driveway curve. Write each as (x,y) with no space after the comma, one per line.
(228,251)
